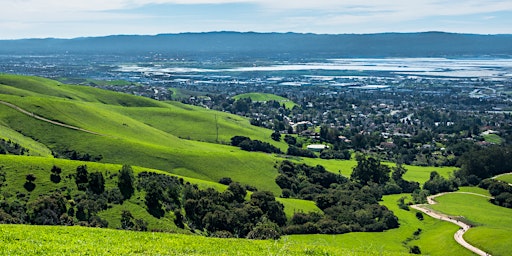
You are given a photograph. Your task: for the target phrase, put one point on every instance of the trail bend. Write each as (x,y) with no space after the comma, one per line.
(458,236)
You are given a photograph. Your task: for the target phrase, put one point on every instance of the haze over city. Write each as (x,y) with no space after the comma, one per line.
(69,19)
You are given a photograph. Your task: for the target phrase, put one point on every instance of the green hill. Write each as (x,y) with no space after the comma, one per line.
(174,137)
(264,97)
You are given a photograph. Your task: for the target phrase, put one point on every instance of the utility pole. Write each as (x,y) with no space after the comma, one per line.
(216,129)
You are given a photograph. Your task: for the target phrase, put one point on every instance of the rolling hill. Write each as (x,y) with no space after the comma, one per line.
(169,138)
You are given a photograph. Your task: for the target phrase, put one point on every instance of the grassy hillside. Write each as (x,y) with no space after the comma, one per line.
(138,131)
(264,97)
(493,224)
(51,240)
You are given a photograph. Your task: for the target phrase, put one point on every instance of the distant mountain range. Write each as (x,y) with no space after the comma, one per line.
(250,44)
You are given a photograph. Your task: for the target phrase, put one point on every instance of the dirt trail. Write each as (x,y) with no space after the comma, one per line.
(458,236)
(47,120)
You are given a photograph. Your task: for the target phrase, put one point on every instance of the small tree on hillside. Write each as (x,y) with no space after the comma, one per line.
(55,176)
(82,177)
(96,182)
(29,184)
(125,182)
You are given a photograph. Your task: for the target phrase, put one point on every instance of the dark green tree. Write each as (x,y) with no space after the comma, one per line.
(276,136)
(82,177)
(29,184)
(127,220)
(96,183)
(125,182)
(55,175)
(370,170)
(153,198)
(238,191)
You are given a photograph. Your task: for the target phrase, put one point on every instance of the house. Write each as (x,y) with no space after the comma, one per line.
(317,147)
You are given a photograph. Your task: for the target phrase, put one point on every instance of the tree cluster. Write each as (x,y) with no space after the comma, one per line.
(484,163)
(245,143)
(500,190)
(347,206)
(228,214)
(10,147)
(296,151)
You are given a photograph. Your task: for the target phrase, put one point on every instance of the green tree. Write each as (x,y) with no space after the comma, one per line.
(125,182)
(127,220)
(96,182)
(82,177)
(276,136)
(369,170)
(153,198)
(238,191)
(55,175)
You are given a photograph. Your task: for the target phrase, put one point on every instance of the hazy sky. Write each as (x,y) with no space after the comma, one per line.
(76,18)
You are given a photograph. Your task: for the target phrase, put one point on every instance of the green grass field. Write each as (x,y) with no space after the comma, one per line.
(263,97)
(506,178)
(51,240)
(493,223)
(493,138)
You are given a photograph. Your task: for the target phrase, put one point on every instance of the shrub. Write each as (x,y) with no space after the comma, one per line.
(225,181)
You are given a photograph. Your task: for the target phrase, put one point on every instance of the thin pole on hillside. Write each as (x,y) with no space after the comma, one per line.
(216,129)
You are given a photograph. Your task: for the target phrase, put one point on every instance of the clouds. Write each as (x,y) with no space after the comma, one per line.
(56,18)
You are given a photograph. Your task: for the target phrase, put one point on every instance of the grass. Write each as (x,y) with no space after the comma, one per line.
(506,178)
(264,97)
(51,240)
(35,148)
(493,138)
(493,223)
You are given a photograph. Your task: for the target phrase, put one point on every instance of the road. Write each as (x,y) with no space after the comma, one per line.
(458,236)
(47,120)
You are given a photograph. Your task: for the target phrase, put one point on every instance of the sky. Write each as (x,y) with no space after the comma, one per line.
(80,18)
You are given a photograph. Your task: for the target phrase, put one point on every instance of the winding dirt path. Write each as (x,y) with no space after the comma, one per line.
(458,236)
(47,120)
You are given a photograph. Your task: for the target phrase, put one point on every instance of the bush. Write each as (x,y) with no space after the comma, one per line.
(415,250)
(265,230)
(225,181)
(419,215)
(296,151)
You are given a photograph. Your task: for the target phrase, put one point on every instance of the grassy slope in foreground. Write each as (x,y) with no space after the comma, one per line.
(493,223)
(52,240)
